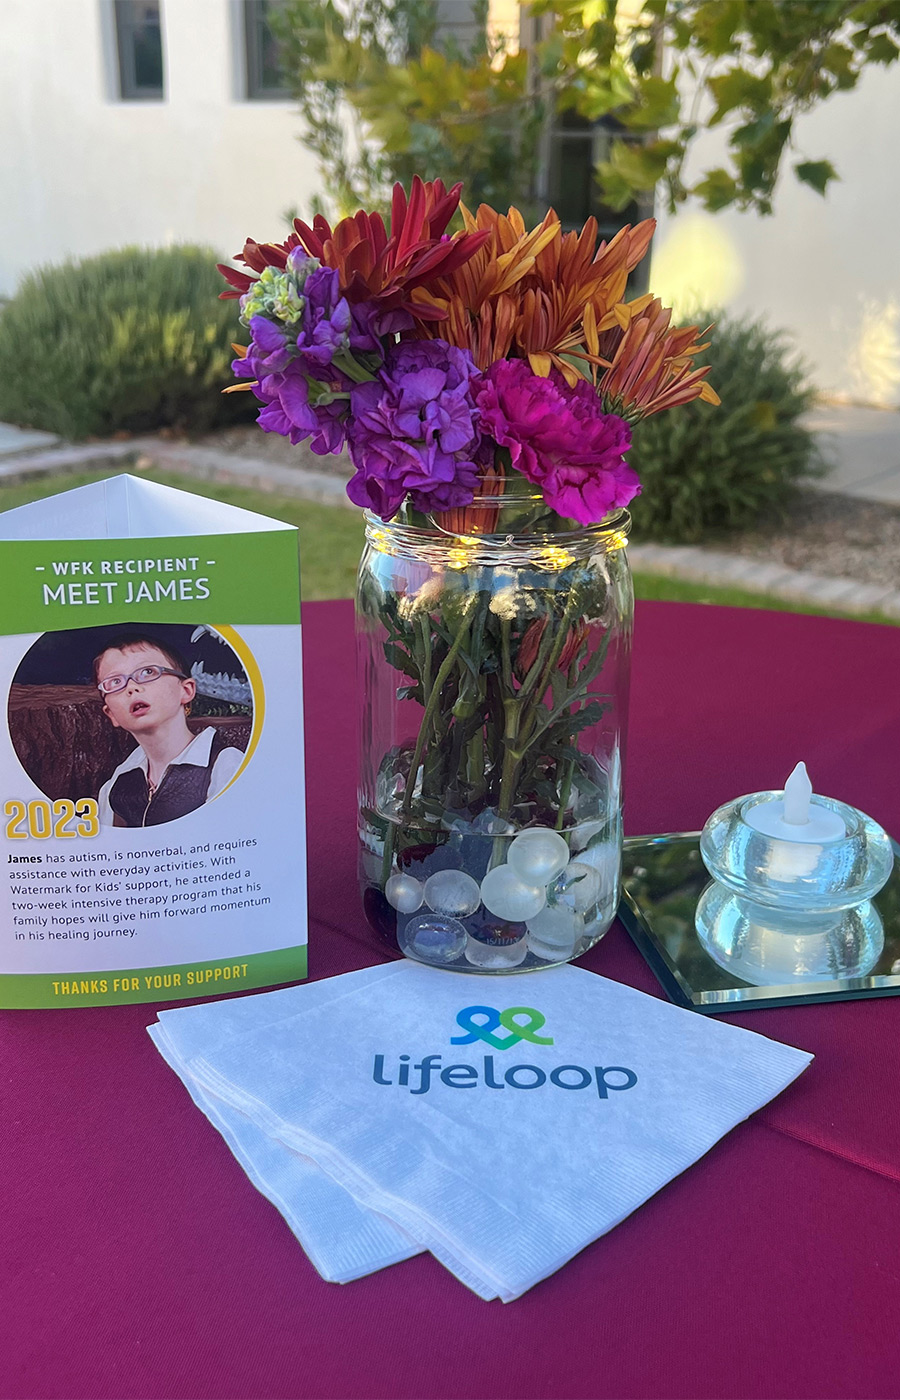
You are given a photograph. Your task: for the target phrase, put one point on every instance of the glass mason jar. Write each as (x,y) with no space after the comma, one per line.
(494,668)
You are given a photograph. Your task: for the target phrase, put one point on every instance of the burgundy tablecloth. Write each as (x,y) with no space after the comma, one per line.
(137,1260)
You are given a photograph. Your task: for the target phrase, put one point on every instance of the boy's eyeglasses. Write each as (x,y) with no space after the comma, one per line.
(142,676)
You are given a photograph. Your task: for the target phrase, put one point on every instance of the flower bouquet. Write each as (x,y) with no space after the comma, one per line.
(484,385)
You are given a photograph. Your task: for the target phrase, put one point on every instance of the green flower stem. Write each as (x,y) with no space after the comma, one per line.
(511,758)
(444,670)
(505,630)
(425,629)
(564,793)
(475,772)
(540,684)
(387,859)
(511,761)
(569,770)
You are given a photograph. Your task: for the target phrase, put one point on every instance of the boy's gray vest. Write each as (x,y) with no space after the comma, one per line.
(183,788)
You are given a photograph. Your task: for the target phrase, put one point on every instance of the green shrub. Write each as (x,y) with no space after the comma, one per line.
(706,469)
(130,340)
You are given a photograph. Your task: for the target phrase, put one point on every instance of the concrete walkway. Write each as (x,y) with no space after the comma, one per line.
(16,441)
(864,443)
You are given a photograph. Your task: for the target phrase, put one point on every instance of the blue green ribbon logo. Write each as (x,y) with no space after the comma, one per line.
(490,1021)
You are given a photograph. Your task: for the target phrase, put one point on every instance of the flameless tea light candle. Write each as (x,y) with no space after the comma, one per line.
(795,851)
(796,867)
(796,816)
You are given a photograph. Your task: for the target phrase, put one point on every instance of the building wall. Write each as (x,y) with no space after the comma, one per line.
(827,270)
(81,171)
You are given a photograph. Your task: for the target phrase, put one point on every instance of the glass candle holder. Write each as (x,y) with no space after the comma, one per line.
(795,876)
(780,910)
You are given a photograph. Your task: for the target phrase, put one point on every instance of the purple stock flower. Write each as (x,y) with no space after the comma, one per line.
(297,410)
(415,430)
(325,323)
(268,353)
(559,438)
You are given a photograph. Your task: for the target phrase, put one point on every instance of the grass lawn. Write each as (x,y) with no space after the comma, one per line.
(331,540)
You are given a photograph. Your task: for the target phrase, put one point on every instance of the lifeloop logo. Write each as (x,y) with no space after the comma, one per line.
(481,1023)
(493,1019)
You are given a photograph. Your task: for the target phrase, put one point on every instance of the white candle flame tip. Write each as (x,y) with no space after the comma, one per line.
(797,797)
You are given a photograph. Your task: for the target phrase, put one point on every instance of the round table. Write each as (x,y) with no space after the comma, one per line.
(138,1261)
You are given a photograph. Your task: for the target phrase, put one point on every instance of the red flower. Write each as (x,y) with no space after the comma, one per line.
(531,643)
(376,267)
(257,256)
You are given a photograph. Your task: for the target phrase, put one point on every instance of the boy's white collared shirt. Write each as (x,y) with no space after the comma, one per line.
(197,752)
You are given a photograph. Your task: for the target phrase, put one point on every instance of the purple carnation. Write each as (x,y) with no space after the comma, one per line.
(415,430)
(560,439)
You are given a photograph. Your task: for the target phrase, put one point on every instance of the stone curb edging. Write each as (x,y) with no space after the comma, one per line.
(740,571)
(692,563)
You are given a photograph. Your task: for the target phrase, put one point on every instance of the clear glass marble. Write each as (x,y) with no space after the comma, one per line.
(494,662)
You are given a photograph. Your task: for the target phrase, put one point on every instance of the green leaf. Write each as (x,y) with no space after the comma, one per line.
(639,164)
(738,88)
(881,49)
(839,60)
(751,132)
(616,190)
(817,173)
(716,26)
(717,189)
(659,105)
(399,659)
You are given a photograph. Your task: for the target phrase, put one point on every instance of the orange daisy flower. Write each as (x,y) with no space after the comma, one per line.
(647,365)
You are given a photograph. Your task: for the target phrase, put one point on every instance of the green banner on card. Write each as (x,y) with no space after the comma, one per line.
(53,585)
(30,991)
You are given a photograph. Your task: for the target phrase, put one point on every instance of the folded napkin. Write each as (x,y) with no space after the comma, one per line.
(343,1240)
(503,1123)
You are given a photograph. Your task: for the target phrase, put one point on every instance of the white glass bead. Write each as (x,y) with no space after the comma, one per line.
(496,955)
(579,886)
(452,893)
(509,897)
(556,928)
(604,858)
(549,952)
(538,855)
(581,835)
(405,893)
(432,938)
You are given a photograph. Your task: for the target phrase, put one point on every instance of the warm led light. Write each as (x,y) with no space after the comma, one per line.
(555,558)
(617,540)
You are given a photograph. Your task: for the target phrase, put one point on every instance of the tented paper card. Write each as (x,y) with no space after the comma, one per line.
(152,794)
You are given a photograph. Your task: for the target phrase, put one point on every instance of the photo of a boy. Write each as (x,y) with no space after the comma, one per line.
(147,690)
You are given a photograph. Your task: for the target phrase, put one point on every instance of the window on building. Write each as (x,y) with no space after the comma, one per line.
(576,147)
(139,47)
(266,77)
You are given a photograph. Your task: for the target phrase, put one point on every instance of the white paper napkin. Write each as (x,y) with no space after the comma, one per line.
(343,1240)
(503,1153)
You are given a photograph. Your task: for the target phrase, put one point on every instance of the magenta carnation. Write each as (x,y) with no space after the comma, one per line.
(414,430)
(559,438)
